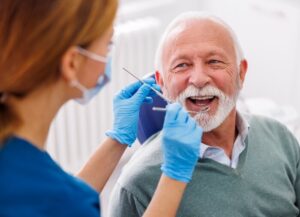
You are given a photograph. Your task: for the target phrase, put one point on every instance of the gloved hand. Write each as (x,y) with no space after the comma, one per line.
(126,107)
(181,138)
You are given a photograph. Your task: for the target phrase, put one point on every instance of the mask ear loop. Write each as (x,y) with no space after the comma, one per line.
(75,83)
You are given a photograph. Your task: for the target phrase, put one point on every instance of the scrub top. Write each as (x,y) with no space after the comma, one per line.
(32,184)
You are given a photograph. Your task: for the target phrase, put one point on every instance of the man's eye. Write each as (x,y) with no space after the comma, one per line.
(181,65)
(214,61)
(179,68)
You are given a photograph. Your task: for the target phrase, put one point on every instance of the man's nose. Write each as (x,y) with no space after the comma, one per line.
(199,76)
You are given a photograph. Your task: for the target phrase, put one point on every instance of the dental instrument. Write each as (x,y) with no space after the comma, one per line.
(156,91)
(165,109)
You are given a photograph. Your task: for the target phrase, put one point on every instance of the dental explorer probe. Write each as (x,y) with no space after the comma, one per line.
(165,109)
(156,91)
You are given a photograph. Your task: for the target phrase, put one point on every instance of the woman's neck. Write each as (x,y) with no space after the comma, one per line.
(37,110)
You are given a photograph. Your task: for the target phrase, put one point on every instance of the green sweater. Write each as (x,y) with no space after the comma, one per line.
(265,183)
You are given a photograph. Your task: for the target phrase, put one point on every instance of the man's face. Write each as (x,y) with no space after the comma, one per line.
(201,71)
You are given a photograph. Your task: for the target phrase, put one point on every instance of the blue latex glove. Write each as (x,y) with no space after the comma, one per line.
(181,143)
(126,107)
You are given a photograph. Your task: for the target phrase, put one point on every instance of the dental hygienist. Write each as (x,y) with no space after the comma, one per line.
(53,51)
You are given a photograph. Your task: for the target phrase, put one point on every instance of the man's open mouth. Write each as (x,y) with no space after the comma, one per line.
(200,103)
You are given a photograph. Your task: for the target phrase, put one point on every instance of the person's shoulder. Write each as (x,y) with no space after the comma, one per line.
(29,175)
(79,198)
(143,169)
(267,124)
(274,132)
(71,196)
(147,156)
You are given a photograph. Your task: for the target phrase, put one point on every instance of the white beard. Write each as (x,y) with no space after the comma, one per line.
(206,121)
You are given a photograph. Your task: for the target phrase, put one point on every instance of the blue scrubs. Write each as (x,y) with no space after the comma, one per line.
(32,184)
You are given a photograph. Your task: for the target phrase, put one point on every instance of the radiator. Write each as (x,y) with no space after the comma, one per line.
(78,130)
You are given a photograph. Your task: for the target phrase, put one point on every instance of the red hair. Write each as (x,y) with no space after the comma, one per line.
(34,36)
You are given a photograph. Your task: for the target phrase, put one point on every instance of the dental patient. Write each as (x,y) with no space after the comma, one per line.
(248,165)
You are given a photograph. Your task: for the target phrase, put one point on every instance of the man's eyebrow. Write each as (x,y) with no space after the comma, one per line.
(180,56)
(219,53)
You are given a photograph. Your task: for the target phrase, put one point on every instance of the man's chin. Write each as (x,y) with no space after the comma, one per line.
(210,122)
(212,119)
(206,122)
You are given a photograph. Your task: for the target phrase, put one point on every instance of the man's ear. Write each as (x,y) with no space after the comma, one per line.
(159,79)
(70,63)
(243,71)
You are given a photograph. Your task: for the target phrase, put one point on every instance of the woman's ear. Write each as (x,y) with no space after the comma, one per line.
(70,64)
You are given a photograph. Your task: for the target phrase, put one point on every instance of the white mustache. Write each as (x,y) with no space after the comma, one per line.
(192,91)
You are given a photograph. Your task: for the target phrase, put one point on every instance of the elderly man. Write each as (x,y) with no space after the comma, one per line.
(248,165)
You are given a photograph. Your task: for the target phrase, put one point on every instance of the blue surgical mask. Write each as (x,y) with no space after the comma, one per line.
(88,94)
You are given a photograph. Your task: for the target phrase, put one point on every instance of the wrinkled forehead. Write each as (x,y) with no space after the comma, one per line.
(198,33)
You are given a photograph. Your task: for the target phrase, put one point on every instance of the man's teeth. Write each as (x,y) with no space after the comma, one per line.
(201,97)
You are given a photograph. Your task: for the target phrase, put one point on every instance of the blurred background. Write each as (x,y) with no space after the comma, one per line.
(268,31)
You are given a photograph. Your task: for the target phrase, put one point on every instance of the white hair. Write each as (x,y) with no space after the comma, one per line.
(190,16)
